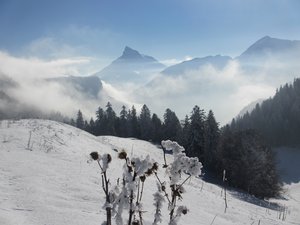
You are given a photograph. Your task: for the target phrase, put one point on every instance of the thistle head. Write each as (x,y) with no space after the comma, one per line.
(122,155)
(95,155)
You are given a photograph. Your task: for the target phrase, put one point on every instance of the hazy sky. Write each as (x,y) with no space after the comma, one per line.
(165,29)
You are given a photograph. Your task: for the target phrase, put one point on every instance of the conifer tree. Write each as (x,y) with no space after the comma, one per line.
(79,120)
(156,135)
(133,123)
(249,163)
(123,124)
(110,119)
(185,132)
(196,135)
(92,126)
(145,123)
(100,122)
(212,134)
(171,126)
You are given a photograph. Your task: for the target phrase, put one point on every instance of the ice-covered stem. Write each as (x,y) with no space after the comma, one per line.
(105,183)
(163,187)
(135,171)
(165,160)
(142,189)
(158,202)
(181,164)
(173,202)
(181,210)
(105,160)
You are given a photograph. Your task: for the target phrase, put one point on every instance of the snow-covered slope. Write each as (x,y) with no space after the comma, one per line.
(45,178)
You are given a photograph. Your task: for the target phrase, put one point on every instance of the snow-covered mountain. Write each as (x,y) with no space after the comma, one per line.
(196,64)
(46,178)
(132,67)
(268,47)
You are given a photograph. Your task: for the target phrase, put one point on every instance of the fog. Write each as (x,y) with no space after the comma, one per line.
(30,91)
(226,91)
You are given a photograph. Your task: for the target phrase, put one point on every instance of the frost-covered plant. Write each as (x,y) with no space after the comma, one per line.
(158,203)
(180,164)
(128,193)
(135,171)
(103,162)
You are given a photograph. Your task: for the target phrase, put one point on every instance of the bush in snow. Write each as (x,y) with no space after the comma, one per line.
(128,194)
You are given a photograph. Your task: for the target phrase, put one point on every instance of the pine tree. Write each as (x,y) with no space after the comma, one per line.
(100,122)
(212,134)
(72,122)
(156,135)
(110,119)
(92,126)
(133,123)
(79,120)
(145,123)
(123,124)
(171,126)
(249,163)
(185,132)
(196,136)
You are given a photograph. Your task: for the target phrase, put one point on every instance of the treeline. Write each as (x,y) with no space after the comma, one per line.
(249,163)
(198,133)
(277,119)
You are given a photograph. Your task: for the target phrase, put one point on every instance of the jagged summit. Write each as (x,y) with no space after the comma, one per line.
(131,66)
(130,53)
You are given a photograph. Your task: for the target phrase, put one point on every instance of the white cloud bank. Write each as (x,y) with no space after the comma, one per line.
(226,91)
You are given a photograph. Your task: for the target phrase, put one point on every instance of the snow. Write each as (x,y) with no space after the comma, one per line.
(50,180)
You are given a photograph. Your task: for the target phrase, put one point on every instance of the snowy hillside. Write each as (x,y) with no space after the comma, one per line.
(46,178)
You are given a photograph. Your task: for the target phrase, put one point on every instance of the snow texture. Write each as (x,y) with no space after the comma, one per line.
(51,181)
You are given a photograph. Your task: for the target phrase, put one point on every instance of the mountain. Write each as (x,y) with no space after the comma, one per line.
(49,179)
(89,86)
(250,107)
(195,64)
(276,118)
(131,66)
(271,47)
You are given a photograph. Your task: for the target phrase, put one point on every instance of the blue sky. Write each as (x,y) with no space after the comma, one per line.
(165,29)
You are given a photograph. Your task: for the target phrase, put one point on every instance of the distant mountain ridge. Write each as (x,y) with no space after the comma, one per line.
(217,61)
(268,46)
(132,66)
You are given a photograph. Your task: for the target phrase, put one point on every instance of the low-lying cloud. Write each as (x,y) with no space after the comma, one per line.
(31,90)
(226,91)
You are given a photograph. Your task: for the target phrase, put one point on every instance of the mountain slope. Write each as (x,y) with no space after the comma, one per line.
(89,86)
(195,64)
(250,107)
(131,66)
(277,118)
(49,181)
(271,47)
